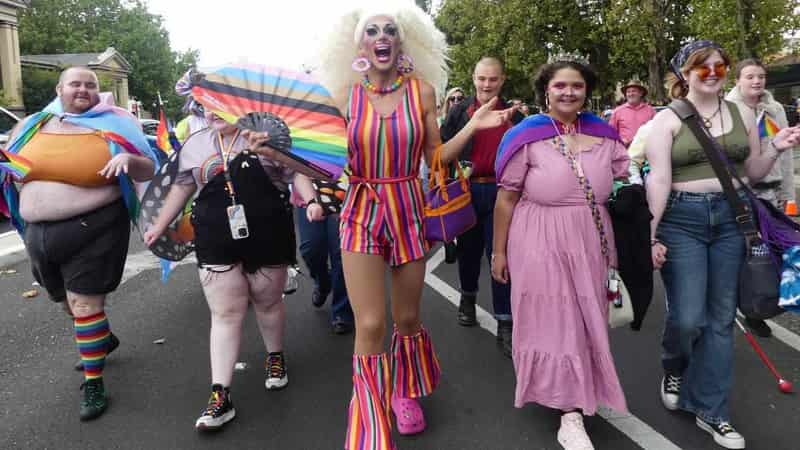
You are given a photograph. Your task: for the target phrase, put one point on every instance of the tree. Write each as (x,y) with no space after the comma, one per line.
(91,26)
(623,38)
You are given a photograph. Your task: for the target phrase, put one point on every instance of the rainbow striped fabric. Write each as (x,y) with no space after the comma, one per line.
(91,335)
(767,127)
(416,367)
(369,425)
(384,207)
(117,126)
(14,164)
(316,127)
(162,134)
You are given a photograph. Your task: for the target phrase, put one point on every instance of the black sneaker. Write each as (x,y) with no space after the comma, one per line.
(277,378)
(505,329)
(113,343)
(466,311)
(318,297)
(724,434)
(94,401)
(340,327)
(671,391)
(219,410)
(759,327)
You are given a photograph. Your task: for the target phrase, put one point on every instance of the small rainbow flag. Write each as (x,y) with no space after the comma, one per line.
(767,127)
(14,164)
(162,135)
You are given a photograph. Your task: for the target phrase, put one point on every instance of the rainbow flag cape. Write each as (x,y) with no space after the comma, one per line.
(767,127)
(539,127)
(117,126)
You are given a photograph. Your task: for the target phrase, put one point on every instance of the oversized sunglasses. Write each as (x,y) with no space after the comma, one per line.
(456,98)
(388,29)
(719,69)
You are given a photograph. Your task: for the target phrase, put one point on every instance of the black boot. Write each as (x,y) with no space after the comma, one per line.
(450,252)
(466,311)
(94,401)
(759,327)
(113,343)
(504,332)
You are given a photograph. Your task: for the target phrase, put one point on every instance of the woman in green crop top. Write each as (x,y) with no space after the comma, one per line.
(696,243)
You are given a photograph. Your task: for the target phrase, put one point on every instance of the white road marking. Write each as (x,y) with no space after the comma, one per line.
(628,424)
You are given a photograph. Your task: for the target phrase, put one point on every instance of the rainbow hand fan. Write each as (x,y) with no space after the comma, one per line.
(317,134)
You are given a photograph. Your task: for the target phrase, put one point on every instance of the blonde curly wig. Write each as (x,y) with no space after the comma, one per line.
(419,39)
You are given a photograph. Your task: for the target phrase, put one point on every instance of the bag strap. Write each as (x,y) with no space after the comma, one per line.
(686,111)
(591,200)
(438,174)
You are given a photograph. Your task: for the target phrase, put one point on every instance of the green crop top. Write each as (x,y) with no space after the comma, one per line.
(689,161)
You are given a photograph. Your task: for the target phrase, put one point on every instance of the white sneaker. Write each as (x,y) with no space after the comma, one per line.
(671,391)
(572,435)
(724,434)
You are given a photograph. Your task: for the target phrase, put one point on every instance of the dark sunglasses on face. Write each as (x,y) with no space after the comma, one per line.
(456,98)
(719,69)
(388,30)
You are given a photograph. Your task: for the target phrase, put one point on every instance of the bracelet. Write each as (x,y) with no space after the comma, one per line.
(777,152)
(310,202)
(654,242)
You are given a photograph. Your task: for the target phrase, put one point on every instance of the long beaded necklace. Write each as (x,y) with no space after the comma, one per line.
(707,120)
(384,90)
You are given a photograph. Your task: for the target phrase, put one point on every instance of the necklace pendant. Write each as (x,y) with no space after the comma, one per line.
(707,123)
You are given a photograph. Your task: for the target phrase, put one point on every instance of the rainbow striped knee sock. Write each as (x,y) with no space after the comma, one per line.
(92,336)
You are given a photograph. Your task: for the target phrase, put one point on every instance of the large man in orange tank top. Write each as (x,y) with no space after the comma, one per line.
(77,225)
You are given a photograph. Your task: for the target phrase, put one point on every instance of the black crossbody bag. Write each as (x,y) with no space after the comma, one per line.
(759,276)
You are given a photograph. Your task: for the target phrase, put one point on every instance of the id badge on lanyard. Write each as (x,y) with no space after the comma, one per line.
(237,220)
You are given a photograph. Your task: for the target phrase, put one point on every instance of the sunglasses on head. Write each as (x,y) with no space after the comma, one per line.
(456,98)
(388,30)
(719,69)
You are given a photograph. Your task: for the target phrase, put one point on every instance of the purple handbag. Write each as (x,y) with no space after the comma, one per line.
(448,204)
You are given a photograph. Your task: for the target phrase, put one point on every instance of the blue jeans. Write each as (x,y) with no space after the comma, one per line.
(476,242)
(704,253)
(318,242)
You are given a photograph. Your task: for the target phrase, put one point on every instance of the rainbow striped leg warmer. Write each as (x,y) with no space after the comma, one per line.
(416,367)
(92,335)
(368,423)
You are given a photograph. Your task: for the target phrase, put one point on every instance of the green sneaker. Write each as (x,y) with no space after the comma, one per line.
(94,401)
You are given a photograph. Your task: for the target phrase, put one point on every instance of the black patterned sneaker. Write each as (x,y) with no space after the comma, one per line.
(670,391)
(219,410)
(723,432)
(277,378)
(94,401)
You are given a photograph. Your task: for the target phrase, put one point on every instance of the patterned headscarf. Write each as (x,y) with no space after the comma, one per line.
(184,88)
(680,58)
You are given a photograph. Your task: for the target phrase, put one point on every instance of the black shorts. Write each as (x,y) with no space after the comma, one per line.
(85,254)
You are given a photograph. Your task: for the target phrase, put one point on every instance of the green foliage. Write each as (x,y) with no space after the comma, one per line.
(38,88)
(623,38)
(91,26)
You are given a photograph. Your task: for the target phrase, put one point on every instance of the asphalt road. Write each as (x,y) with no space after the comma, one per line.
(158,390)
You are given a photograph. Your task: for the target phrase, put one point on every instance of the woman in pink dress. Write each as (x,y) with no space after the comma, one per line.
(547,241)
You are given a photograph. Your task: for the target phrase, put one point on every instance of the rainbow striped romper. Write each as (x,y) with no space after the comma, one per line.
(383,209)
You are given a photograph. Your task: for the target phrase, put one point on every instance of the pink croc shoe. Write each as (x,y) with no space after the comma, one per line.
(410,419)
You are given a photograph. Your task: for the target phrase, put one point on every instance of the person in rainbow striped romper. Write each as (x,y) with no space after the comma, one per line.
(389,101)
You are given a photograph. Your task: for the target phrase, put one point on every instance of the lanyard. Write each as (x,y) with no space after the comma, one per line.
(225,154)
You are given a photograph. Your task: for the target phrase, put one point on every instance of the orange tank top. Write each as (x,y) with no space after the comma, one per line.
(67,158)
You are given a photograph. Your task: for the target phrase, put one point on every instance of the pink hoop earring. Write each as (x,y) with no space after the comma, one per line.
(361,65)
(405,64)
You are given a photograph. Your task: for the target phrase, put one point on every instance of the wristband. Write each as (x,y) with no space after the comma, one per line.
(654,242)
(309,203)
